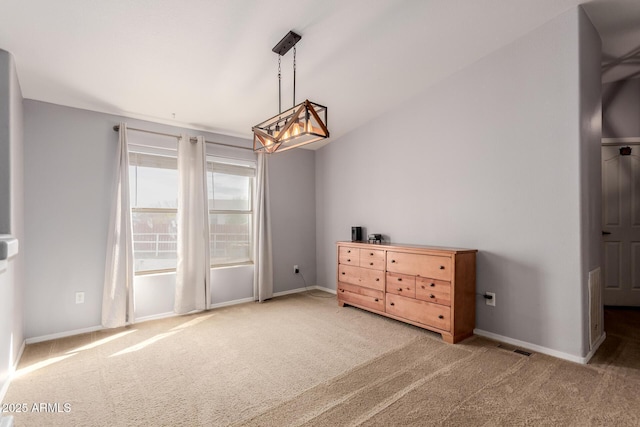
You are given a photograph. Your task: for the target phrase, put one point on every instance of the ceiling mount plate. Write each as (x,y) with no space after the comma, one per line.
(286,43)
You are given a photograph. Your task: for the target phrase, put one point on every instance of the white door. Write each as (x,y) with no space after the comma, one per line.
(621,226)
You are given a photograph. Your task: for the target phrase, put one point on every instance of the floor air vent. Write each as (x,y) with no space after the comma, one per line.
(514,349)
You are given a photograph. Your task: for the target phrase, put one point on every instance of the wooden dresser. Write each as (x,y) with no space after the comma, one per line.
(433,288)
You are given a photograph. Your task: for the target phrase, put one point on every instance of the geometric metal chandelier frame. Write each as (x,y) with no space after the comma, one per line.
(302,124)
(298,126)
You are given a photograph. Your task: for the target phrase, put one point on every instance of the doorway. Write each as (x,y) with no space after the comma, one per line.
(621,224)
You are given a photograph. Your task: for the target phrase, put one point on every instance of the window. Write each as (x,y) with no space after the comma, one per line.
(153,181)
(230,187)
(153,184)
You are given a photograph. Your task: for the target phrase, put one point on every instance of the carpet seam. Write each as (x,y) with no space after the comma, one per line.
(524,396)
(373,385)
(514,368)
(333,404)
(400,394)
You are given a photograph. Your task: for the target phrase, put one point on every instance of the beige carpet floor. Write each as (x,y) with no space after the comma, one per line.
(299,360)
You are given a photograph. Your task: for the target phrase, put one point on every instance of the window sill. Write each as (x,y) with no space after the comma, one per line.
(173,270)
(236,264)
(155,272)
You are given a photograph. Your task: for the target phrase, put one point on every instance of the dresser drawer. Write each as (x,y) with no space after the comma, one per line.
(372,279)
(372,258)
(437,267)
(358,295)
(347,255)
(349,274)
(426,313)
(436,291)
(401,284)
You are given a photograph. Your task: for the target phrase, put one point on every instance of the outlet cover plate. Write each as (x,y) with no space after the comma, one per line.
(492,301)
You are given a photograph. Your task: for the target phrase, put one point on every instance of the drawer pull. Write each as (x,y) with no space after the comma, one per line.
(378,279)
(400,289)
(442,267)
(432,296)
(370,263)
(371,254)
(441,317)
(343,273)
(399,279)
(432,285)
(349,260)
(376,300)
(341,290)
(393,261)
(422,286)
(349,251)
(391,303)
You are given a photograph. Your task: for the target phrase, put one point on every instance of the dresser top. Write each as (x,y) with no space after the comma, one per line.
(401,246)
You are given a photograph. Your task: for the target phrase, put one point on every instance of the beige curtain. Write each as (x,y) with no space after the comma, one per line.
(117,297)
(194,263)
(262,255)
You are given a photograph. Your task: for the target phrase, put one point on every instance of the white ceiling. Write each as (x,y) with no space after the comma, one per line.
(210,63)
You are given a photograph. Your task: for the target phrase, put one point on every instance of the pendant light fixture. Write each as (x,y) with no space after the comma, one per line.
(299,125)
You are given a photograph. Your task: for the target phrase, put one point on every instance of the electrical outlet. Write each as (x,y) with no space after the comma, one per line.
(492,301)
(79,297)
(296,270)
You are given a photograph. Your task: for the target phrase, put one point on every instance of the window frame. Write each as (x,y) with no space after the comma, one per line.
(210,160)
(238,163)
(158,210)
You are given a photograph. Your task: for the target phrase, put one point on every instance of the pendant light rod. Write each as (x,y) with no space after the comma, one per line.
(289,41)
(279,86)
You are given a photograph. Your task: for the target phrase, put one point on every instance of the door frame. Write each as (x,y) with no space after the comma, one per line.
(613,142)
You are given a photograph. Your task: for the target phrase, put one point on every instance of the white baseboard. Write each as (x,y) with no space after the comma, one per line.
(92,329)
(17,362)
(12,370)
(275,295)
(595,348)
(4,388)
(299,290)
(63,334)
(289,292)
(322,288)
(168,314)
(239,301)
(234,302)
(155,317)
(538,348)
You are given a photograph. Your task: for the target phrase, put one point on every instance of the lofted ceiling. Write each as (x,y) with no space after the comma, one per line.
(208,64)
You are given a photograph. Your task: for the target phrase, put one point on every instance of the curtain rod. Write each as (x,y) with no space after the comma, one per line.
(117,128)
